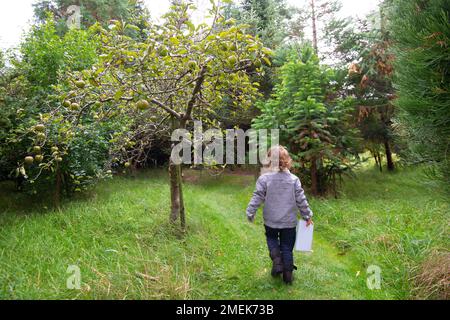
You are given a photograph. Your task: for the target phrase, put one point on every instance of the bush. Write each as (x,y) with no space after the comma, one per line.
(28,91)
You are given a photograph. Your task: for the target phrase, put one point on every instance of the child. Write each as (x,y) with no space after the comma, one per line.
(283,197)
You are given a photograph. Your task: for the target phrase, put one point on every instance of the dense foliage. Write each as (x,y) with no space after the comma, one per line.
(315,123)
(85,104)
(108,118)
(28,85)
(421,34)
(91,11)
(363,49)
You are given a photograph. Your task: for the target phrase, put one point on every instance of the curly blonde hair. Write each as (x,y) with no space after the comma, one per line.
(278,158)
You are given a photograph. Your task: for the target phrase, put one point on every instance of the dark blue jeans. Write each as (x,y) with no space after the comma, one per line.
(283,239)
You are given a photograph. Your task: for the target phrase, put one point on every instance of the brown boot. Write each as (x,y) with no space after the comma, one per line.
(277,263)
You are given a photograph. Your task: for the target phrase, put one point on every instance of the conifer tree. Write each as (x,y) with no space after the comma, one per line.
(315,124)
(420,30)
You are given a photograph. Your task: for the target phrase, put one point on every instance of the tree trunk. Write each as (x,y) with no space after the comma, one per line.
(175,192)
(380,163)
(182,213)
(179,122)
(390,162)
(377,157)
(314,27)
(176,189)
(335,186)
(314,180)
(65,181)
(374,155)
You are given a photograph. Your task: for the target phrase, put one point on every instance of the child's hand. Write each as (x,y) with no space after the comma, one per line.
(251,219)
(309,222)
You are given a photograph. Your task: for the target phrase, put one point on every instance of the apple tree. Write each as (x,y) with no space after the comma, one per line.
(28,93)
(140,91)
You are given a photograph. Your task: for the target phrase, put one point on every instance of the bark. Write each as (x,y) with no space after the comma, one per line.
(175,198)
(380,163)
(176,189)
(377,157)
(65,182)
(389,160)
(182,212)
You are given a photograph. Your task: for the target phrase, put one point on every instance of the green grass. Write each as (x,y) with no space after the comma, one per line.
(119,236)
(391,220)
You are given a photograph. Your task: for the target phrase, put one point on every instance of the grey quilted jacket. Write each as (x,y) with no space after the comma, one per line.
(283,197)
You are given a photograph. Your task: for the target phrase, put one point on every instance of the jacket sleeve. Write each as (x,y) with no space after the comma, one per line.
(302,203)
(259,195)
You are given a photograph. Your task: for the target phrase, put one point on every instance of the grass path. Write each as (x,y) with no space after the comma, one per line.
(244,263)
(119,237)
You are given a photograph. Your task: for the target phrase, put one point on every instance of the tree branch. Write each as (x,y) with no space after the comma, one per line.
(197,88)
(166,108)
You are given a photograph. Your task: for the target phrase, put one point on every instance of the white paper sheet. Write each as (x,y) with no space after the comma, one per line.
(303,240)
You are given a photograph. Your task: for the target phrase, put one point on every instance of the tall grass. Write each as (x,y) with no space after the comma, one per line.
(395,221)
(119,236)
